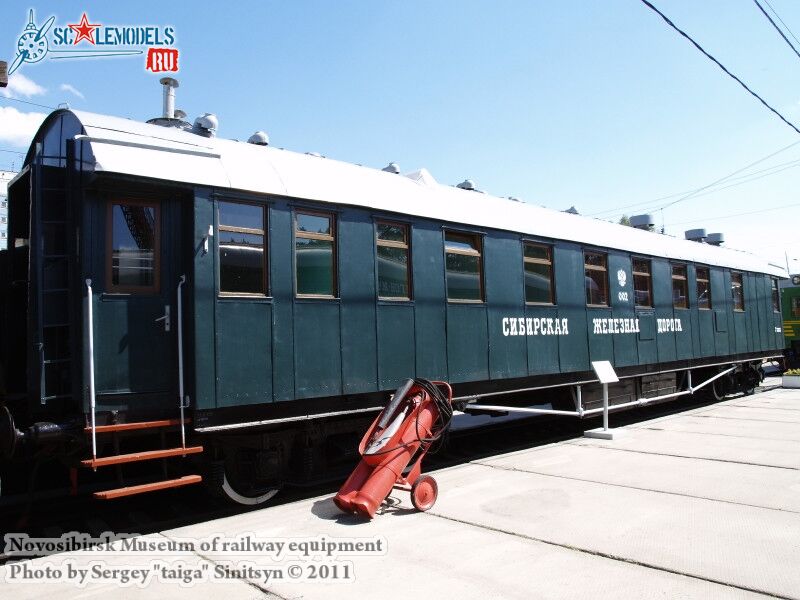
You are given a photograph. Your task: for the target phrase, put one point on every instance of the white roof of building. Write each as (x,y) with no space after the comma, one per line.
(135,148)
(5,179)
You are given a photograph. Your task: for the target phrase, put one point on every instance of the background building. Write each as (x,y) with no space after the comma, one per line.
(5,177)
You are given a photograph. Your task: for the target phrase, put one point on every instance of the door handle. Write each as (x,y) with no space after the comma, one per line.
(165,318)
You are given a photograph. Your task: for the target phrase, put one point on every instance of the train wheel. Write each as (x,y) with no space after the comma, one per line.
(8,433)
(719,388)
(750,380)
(251,498)
(424,493)
(242,478)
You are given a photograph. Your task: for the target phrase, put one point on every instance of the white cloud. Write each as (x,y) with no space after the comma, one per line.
(65,87)
(19,85)
(18,128)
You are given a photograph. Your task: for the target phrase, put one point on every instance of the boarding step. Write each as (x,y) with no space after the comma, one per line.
(147,487)
(136,425)
(119,459)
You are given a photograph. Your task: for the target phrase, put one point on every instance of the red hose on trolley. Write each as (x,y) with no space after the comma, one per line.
(418,415)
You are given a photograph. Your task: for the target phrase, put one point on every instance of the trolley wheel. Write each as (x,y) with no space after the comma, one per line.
(424,493)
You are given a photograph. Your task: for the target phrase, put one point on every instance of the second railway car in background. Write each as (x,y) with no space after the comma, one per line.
(256,305)
(790,302)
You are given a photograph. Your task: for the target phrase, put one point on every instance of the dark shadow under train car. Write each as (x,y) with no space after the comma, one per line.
(169,295)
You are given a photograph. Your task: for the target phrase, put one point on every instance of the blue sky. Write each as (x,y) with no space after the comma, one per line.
(594,104)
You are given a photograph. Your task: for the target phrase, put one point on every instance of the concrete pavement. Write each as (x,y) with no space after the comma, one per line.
(703,504)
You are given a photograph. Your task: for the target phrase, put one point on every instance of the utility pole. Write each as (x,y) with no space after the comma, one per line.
(3,73)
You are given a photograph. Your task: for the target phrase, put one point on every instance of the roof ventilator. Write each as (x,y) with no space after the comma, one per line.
(468,185)
(206,125)
(392,168)
(259,138)
(715,239)
(696,235)
(643,222)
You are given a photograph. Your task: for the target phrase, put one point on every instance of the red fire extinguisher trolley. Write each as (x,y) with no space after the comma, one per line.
(417,416)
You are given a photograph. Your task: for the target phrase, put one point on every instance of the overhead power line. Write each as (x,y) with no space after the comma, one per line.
(775,12)
(719,64)
(778,29)
(27,102)
(686,195)
(741,214)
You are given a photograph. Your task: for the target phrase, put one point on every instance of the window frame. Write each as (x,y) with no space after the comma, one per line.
(111,288)
(649,275)
(477,237)
(549,262)
(776,296)
(707,279)
(604,269)
(327,237)
(406,245)
(685,279)
(265,279)
(740,275)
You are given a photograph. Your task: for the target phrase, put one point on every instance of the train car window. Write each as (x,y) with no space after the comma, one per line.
(680,287)
(703,288)
(132,246)
(737,291)
(393,246)
(642,283)
(538,263)
(242,249)
(315,254)
(463,266)
(776,299)
(796,306)
(596,278)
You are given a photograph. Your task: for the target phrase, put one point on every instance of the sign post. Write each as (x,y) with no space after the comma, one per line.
(605,374)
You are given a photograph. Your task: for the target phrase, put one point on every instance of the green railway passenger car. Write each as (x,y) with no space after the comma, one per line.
(253,307)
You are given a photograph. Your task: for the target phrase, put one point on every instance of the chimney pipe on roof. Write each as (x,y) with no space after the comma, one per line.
(169,84)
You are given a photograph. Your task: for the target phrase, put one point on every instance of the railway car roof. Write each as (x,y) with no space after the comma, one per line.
(130,147)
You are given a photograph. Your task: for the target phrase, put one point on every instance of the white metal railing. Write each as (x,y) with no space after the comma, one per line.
(605,409)
(90,342)
(181,401)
